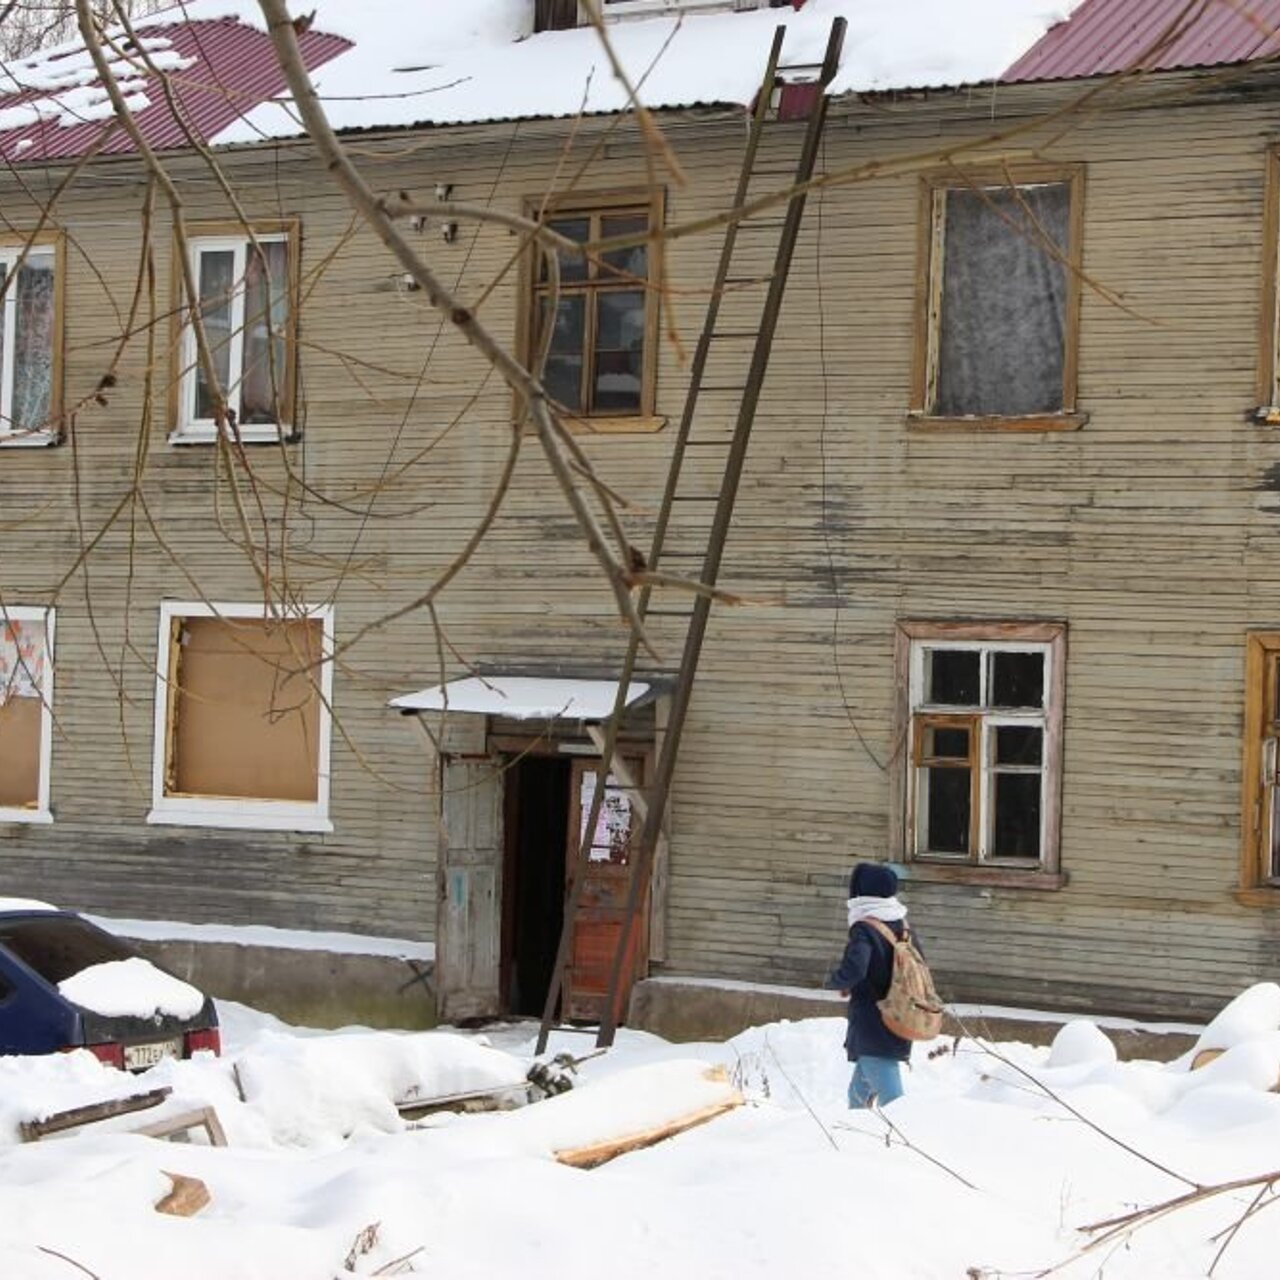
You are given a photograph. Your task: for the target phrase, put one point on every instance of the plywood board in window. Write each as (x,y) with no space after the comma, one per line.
(247,712)
(20,721)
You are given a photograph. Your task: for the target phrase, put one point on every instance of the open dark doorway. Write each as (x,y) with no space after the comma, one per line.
(537,827)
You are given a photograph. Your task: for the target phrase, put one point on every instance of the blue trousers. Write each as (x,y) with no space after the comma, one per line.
(878,1078)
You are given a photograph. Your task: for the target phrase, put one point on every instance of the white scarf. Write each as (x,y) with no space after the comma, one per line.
(886,909)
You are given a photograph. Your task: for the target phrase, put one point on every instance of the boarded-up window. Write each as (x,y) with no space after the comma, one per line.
(984,724)
(999,319)
(25,689)
(245,710)
(1261,823)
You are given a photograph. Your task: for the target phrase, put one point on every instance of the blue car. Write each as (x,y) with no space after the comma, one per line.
(42,947)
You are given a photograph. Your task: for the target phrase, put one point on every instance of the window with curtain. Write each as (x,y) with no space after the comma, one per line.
(28,344)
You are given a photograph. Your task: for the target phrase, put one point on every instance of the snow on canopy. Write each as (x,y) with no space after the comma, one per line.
(398,63)
(132,988)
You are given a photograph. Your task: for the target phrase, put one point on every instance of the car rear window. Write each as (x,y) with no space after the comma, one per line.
(58,948)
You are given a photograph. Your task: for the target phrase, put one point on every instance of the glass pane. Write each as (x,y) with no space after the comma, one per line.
(573,266)
(217,283)
(945,744)
(1017,680)
(33,344)
(633,261)
(1017,818)
(619,364)
(948,799)
(1275,833)
(1001,331)
(954,677)
(4,315)
(563,373)
(266,318)
(1019,744)
(611,840)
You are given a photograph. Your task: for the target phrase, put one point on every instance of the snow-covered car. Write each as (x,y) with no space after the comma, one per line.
(67,984)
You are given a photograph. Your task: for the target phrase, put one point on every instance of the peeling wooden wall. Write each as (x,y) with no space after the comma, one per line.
(1154,532)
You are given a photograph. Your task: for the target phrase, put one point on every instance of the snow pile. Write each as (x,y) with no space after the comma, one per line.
(1004,1150)
(320,1091)
(132,988)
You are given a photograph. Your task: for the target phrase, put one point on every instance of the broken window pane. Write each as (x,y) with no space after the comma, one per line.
(217,284)
(33,344)
(1002,323)
(954,677)
(1017,679)
(1016,831)
(949,809)
(633,261)
(1019,744)
(266,318)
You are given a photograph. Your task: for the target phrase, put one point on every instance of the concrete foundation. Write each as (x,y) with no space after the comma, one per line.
(308,988)
(692,1010)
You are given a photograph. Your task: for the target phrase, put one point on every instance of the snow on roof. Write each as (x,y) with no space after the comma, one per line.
(715,58)
(522,697)
(25,904)
(398,63)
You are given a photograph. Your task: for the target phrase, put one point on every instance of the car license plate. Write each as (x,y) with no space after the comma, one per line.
(137,1057)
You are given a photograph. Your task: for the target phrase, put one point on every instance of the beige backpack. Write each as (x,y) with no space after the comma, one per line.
(910,1008)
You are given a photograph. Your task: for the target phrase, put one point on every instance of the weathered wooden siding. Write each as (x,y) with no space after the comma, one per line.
(1152,532)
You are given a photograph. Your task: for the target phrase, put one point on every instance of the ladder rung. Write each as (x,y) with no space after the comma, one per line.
(669,613)
(676,497)
(722,387)
(708,444)
(764,279)
(735,334)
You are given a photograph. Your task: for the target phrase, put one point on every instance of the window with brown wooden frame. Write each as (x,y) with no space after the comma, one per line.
(602,361)
(242,718)
(1260,824)
(997,315)
(26,718)
(248,305)
(31,318)
(982,724)
(1268,394)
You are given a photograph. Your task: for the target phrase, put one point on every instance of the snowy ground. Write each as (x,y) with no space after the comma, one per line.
(985,1168)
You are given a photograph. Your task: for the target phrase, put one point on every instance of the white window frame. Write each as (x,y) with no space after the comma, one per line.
(189,428)
(10,257)
(1047,718)
(241,813)
(42,814)
(616,9)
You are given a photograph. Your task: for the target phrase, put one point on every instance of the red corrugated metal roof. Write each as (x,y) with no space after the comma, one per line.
(1105,36)
(233,68)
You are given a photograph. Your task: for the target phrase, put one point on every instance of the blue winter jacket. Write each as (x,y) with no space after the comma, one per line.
(864,972)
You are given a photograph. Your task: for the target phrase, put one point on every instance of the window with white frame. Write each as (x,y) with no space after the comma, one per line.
(247,310)
(242,717)
(29,343)
(26,717)
(984,743)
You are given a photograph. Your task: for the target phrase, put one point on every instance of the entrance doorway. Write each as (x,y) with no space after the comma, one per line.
(537,826)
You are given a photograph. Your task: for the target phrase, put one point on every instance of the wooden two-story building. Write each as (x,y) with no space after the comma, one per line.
(1008,536)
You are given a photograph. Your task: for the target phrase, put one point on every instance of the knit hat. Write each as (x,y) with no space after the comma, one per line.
(873,880)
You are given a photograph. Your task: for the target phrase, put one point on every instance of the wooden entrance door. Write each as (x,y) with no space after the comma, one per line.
(469,879)
(598,923)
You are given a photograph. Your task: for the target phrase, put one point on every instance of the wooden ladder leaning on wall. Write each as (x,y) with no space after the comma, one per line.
(653,803)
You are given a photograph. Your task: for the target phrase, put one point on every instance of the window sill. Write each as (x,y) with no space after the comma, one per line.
(638,424)
(29,440)
(918,421)
(240,817)
(1259,895)
(982,876)
(1266,415)
(255,433)
(26,817)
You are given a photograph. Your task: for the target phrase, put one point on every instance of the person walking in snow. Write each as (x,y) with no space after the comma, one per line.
(863,975)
